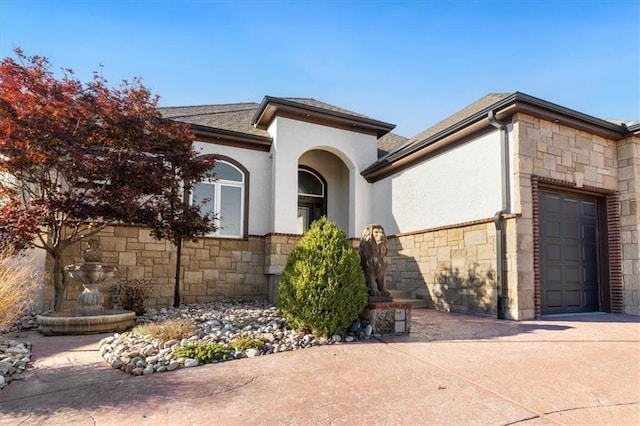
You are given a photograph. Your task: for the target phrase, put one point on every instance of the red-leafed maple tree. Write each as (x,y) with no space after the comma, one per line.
(77,157)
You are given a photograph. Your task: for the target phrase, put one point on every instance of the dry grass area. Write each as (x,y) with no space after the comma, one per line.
(167,330)
(19,284)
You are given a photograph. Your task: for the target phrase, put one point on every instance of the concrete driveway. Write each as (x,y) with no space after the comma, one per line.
(453,369)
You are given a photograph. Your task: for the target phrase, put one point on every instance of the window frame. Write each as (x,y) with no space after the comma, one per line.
(218,184)
(313,199)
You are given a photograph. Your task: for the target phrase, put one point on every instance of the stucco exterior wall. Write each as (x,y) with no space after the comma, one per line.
(258,163)
(460,185)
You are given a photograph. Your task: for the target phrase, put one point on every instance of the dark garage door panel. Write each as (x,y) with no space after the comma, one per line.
(569,253)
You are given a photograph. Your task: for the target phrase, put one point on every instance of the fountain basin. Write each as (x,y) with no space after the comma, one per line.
(64,323)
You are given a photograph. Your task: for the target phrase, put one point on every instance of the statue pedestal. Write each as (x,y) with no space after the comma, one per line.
(388,318)
(378,299)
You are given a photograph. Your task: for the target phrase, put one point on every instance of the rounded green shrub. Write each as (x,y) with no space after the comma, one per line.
(245,342)
(203,352)
(322,288)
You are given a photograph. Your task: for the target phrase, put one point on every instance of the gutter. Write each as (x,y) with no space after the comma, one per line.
(498,218)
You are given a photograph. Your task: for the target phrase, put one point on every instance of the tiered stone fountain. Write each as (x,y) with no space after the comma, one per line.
(90,316)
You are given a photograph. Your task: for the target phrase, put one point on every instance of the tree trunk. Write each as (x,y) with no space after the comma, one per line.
(59,282)
(176,290)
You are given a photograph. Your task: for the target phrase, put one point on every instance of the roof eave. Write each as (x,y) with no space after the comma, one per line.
(635,129)
(505,108)
(229,137)
(271,106)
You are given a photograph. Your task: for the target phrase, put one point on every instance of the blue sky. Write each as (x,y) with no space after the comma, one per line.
(411,63)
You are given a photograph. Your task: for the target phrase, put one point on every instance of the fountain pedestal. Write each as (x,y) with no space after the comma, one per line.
(90,301)
(91,274)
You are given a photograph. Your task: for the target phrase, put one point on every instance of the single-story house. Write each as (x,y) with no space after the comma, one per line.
(514,206)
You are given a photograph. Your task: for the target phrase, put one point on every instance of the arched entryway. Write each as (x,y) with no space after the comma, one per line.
(323,189)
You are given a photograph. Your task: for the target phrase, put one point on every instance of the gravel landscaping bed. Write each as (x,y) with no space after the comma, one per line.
(222,322)
(15,356)
(216,322)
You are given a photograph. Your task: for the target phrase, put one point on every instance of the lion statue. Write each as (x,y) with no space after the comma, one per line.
(373,252)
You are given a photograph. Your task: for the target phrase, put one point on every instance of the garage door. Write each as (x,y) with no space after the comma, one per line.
(568,253)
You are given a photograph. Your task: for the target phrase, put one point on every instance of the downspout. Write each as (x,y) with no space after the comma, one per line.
(498,218)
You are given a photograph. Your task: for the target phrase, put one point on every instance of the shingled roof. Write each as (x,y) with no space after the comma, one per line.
(232,117)
(238,118)
(389,143)
(465,112)
(322,105)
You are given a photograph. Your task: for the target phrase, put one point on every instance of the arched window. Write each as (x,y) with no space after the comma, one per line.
(312,197)
(223,193)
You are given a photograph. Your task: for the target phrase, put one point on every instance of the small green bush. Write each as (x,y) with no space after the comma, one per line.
(322,288)
(171,329)
(245,342)
(133,293)
(203,352)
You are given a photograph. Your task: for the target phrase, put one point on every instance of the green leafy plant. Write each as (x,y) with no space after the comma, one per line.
(203,352)
(167,330)
(323,287)
(133,293)
(245,342)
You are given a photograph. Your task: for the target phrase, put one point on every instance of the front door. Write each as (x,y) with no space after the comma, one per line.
(568,253)
(308,212)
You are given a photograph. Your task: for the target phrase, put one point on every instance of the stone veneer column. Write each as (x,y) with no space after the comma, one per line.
(629,195)
(277,248)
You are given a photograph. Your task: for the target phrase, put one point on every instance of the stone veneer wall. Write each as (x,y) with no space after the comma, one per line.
(453,268)
(213,268)
(553,152)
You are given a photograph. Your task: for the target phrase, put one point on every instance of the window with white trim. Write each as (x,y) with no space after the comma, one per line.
(223,195)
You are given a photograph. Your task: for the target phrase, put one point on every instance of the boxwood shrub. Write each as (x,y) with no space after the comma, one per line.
(322,288)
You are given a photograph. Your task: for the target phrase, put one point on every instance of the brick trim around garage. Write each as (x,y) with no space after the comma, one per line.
(612,241)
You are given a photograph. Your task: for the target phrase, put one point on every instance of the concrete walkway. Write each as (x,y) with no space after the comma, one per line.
(453,369)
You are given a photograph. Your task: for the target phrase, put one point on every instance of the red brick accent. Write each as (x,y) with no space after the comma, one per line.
(537,294)
(441,228)
(557,183)
(615,254)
